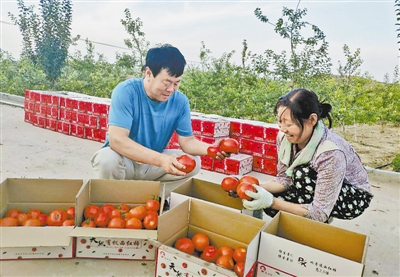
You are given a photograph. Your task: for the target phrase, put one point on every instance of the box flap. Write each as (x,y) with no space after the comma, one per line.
(172,221)
(113,233)
(35,236)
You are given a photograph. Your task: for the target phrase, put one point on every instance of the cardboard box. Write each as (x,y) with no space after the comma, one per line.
(292,245)
(206,191)
(37,242)
(105,243)
(223,227)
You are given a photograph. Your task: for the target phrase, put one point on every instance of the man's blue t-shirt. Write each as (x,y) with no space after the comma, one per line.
(151,123)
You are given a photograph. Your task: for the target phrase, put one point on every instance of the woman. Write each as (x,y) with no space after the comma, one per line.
(320,176)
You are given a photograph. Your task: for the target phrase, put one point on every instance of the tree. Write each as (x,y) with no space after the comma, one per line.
(308,57)
(46,38)
(397,5)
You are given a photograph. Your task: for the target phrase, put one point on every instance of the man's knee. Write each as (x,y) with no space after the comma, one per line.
(108,164)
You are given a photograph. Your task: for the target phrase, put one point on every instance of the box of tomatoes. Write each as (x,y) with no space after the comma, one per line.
(115,219)
(197,238)
(37,216)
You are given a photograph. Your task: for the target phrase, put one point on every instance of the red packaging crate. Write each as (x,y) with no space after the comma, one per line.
(40,121)
(207,163)
(103,122)
(235,129)
(72,104)
(258,131)
(64,127)
(257,164)
(55,101)
(27,117)
(214,127)
(28,95)
(271,132)
(196,126)
(219,166)
(246,146)
(53,112)
(269,167)
(269,151)
(87,120)
(101,109)
(239,164)
(247,130)
(210,140)
(77,131)
(257,148)
(95,134)
(29,106)
(65,115)
(37,108)
(43,110)
(74,117)
(85,106)
(62,101)
(34,96)
(33,118)
(51,124)
(45,98)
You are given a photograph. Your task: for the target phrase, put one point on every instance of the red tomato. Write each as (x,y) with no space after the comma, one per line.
(229,183)
(22,218)
(101,219)
(150,221)
(249,179)
(90,211)
(133,223)
(210,254)
(69,222)
(239,269)
(32,222)
(188,162)
(229,145)
(239,254)
(225,251)
(185,245)
(200,241)
(152,205)
(138,212)
(88,223)
(212,151)
(35,213)
(70,212)
(123,207)
(107,208)
(8,221)
(13,213)
(225,262)
(117,223)
(242,187)
(43,219)
(56,218)
(116,213)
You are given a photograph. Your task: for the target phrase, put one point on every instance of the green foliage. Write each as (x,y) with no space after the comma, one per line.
(396,163)
(397,6)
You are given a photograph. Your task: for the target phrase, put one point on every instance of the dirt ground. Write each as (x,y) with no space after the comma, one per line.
(375,145)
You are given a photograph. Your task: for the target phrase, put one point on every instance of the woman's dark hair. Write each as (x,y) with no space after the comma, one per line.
(302,104)
(168,57)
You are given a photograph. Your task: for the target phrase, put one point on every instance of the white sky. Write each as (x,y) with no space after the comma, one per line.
(223,25)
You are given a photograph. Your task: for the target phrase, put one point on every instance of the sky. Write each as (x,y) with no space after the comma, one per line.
(223,25)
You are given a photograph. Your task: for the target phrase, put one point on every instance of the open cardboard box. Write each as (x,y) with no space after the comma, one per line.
(291,245)
(223,227)
(106,243)
(37,242)
(204,190)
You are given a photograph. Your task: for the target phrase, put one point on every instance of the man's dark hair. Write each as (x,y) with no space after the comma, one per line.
(165,57)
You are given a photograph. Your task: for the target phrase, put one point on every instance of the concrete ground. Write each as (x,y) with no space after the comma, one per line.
(32,152)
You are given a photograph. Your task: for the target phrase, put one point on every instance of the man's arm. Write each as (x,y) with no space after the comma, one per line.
(195,147)
(122,144)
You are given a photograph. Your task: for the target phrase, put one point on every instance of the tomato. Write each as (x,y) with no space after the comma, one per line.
(230,183)
(133,223)
(212,151)
(150,221)
(107,208)
(22,218)
(13,213)
(225,251)
(249,179)
(116,213)
(210,254)
(185,245)
(239,269)
(123,207)
(8,221)
(32,222)
(101,219)
(117,223)
(35,213)
(90,211)
(70,212)
(229,145)
(69,222)
(88,223)
(239,254)
(188,162)
(200,241)
(56,218)
(225,262)
(152,205)
(242,187)
(43,219)
(138,212)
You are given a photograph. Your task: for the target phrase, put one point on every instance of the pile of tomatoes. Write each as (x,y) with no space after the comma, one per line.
(236,187)
(35,217)
(224,256)
(122,216)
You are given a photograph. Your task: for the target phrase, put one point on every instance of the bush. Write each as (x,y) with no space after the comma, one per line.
(396,163)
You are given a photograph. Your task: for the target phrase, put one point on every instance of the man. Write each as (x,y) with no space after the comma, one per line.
(144,113)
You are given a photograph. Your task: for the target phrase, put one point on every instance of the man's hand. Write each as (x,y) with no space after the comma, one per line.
(171,165)
(262,199)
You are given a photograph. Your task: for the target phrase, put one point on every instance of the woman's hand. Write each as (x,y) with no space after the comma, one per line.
(262,199)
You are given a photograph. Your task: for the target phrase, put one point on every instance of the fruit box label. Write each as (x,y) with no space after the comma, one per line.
(40,252)
(115,248)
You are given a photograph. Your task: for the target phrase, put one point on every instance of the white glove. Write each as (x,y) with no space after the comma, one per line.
(262,199)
